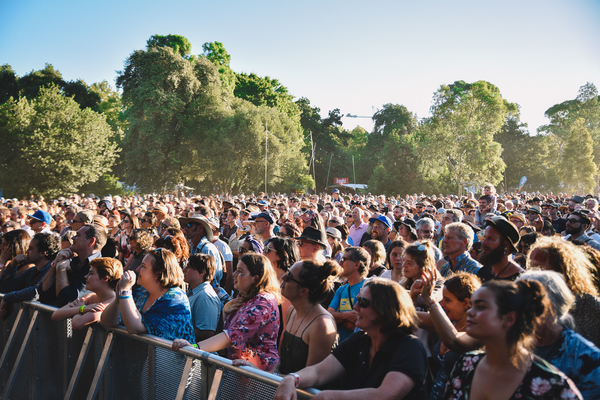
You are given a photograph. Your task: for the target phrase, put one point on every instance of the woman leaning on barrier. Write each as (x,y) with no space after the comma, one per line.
(310,329)
(251,319)
(382,361)
(101,280)
(159,306)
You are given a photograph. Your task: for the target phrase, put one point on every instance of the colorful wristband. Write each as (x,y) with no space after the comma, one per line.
(81,309)
(297,378)
(125,292)
(124,297)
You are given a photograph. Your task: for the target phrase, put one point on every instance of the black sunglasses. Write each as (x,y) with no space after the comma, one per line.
(287,277)
(362,302)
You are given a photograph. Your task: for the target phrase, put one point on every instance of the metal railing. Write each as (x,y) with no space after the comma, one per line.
(44,359)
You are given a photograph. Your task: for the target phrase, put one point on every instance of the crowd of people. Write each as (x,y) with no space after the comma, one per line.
(440,297)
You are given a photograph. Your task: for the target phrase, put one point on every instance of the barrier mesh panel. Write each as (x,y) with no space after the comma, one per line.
(237,387)
(128,370)
(53,364)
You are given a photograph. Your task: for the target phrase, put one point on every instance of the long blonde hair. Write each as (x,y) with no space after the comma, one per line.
(260,266)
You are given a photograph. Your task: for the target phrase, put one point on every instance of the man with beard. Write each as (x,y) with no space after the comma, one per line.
(381,230)
(499,242)
(534,217)
(577,224)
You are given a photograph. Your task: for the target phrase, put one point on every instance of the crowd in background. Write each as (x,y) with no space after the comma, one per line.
(361,295)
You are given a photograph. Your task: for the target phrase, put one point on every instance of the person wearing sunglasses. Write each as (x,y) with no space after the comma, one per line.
(384,360)
(158,306)
(355,267)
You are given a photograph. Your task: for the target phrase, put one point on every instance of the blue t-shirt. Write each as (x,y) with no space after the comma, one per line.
(341,303)
(205,306)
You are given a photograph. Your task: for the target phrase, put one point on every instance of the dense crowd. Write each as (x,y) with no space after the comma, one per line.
(440,297)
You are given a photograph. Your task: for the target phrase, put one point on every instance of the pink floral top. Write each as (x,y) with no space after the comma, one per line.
(542,381)
(253,331)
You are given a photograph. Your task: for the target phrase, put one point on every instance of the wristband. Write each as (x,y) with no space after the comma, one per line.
(125,292)
(297,378)
(124,297)
(431,303)
(195,345)
(81,309)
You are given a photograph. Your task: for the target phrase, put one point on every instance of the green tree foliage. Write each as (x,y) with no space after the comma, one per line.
(178,43)
(50,146)
(107,184)
(332,153)
(216,53)
(240,137)
(159,87)
(265,92)
(9,85)
(184,126)
(391,119)
(564,116)
(458,140)
(30,84)
(82,94)
(398,169)
(578,169)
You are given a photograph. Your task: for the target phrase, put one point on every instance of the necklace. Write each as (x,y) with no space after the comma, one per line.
(301,321)
(498,274)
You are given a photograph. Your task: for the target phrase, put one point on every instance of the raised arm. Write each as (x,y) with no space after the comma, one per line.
(451,338)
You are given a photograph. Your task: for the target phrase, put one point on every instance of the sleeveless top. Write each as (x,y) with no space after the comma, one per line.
(293,351)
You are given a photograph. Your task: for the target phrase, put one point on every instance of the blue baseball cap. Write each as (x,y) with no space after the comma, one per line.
(383,219)
(41,215)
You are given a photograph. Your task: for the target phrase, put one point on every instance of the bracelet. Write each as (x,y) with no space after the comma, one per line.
(81,309)
(432,303)
(124,292)
(124,297)
(195,345)
(297,378)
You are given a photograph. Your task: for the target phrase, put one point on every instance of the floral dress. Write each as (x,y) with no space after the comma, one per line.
(253,331)
(542,380)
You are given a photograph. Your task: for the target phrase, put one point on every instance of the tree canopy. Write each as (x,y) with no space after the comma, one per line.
(50,146)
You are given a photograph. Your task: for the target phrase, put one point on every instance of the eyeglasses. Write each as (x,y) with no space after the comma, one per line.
(363,302)
(287,277)
(190,224)
(573,221)
(142,220)
(77,222)
(282,235)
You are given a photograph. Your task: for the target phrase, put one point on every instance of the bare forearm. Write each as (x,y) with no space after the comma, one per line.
(131,316)
(215,343)
(62,281)
(448,333)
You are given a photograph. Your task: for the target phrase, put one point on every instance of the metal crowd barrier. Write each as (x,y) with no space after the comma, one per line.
(44,359)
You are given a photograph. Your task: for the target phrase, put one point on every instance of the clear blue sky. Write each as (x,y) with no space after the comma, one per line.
(352,55)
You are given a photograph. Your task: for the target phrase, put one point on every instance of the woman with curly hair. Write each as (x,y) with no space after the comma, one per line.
(556,254)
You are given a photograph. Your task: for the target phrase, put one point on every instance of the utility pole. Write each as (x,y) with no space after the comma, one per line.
(353,170)
(328,170)
(266,137)
(312,146)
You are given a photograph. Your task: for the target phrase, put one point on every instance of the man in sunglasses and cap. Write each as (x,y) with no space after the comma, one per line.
(499,243)
(577,224)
